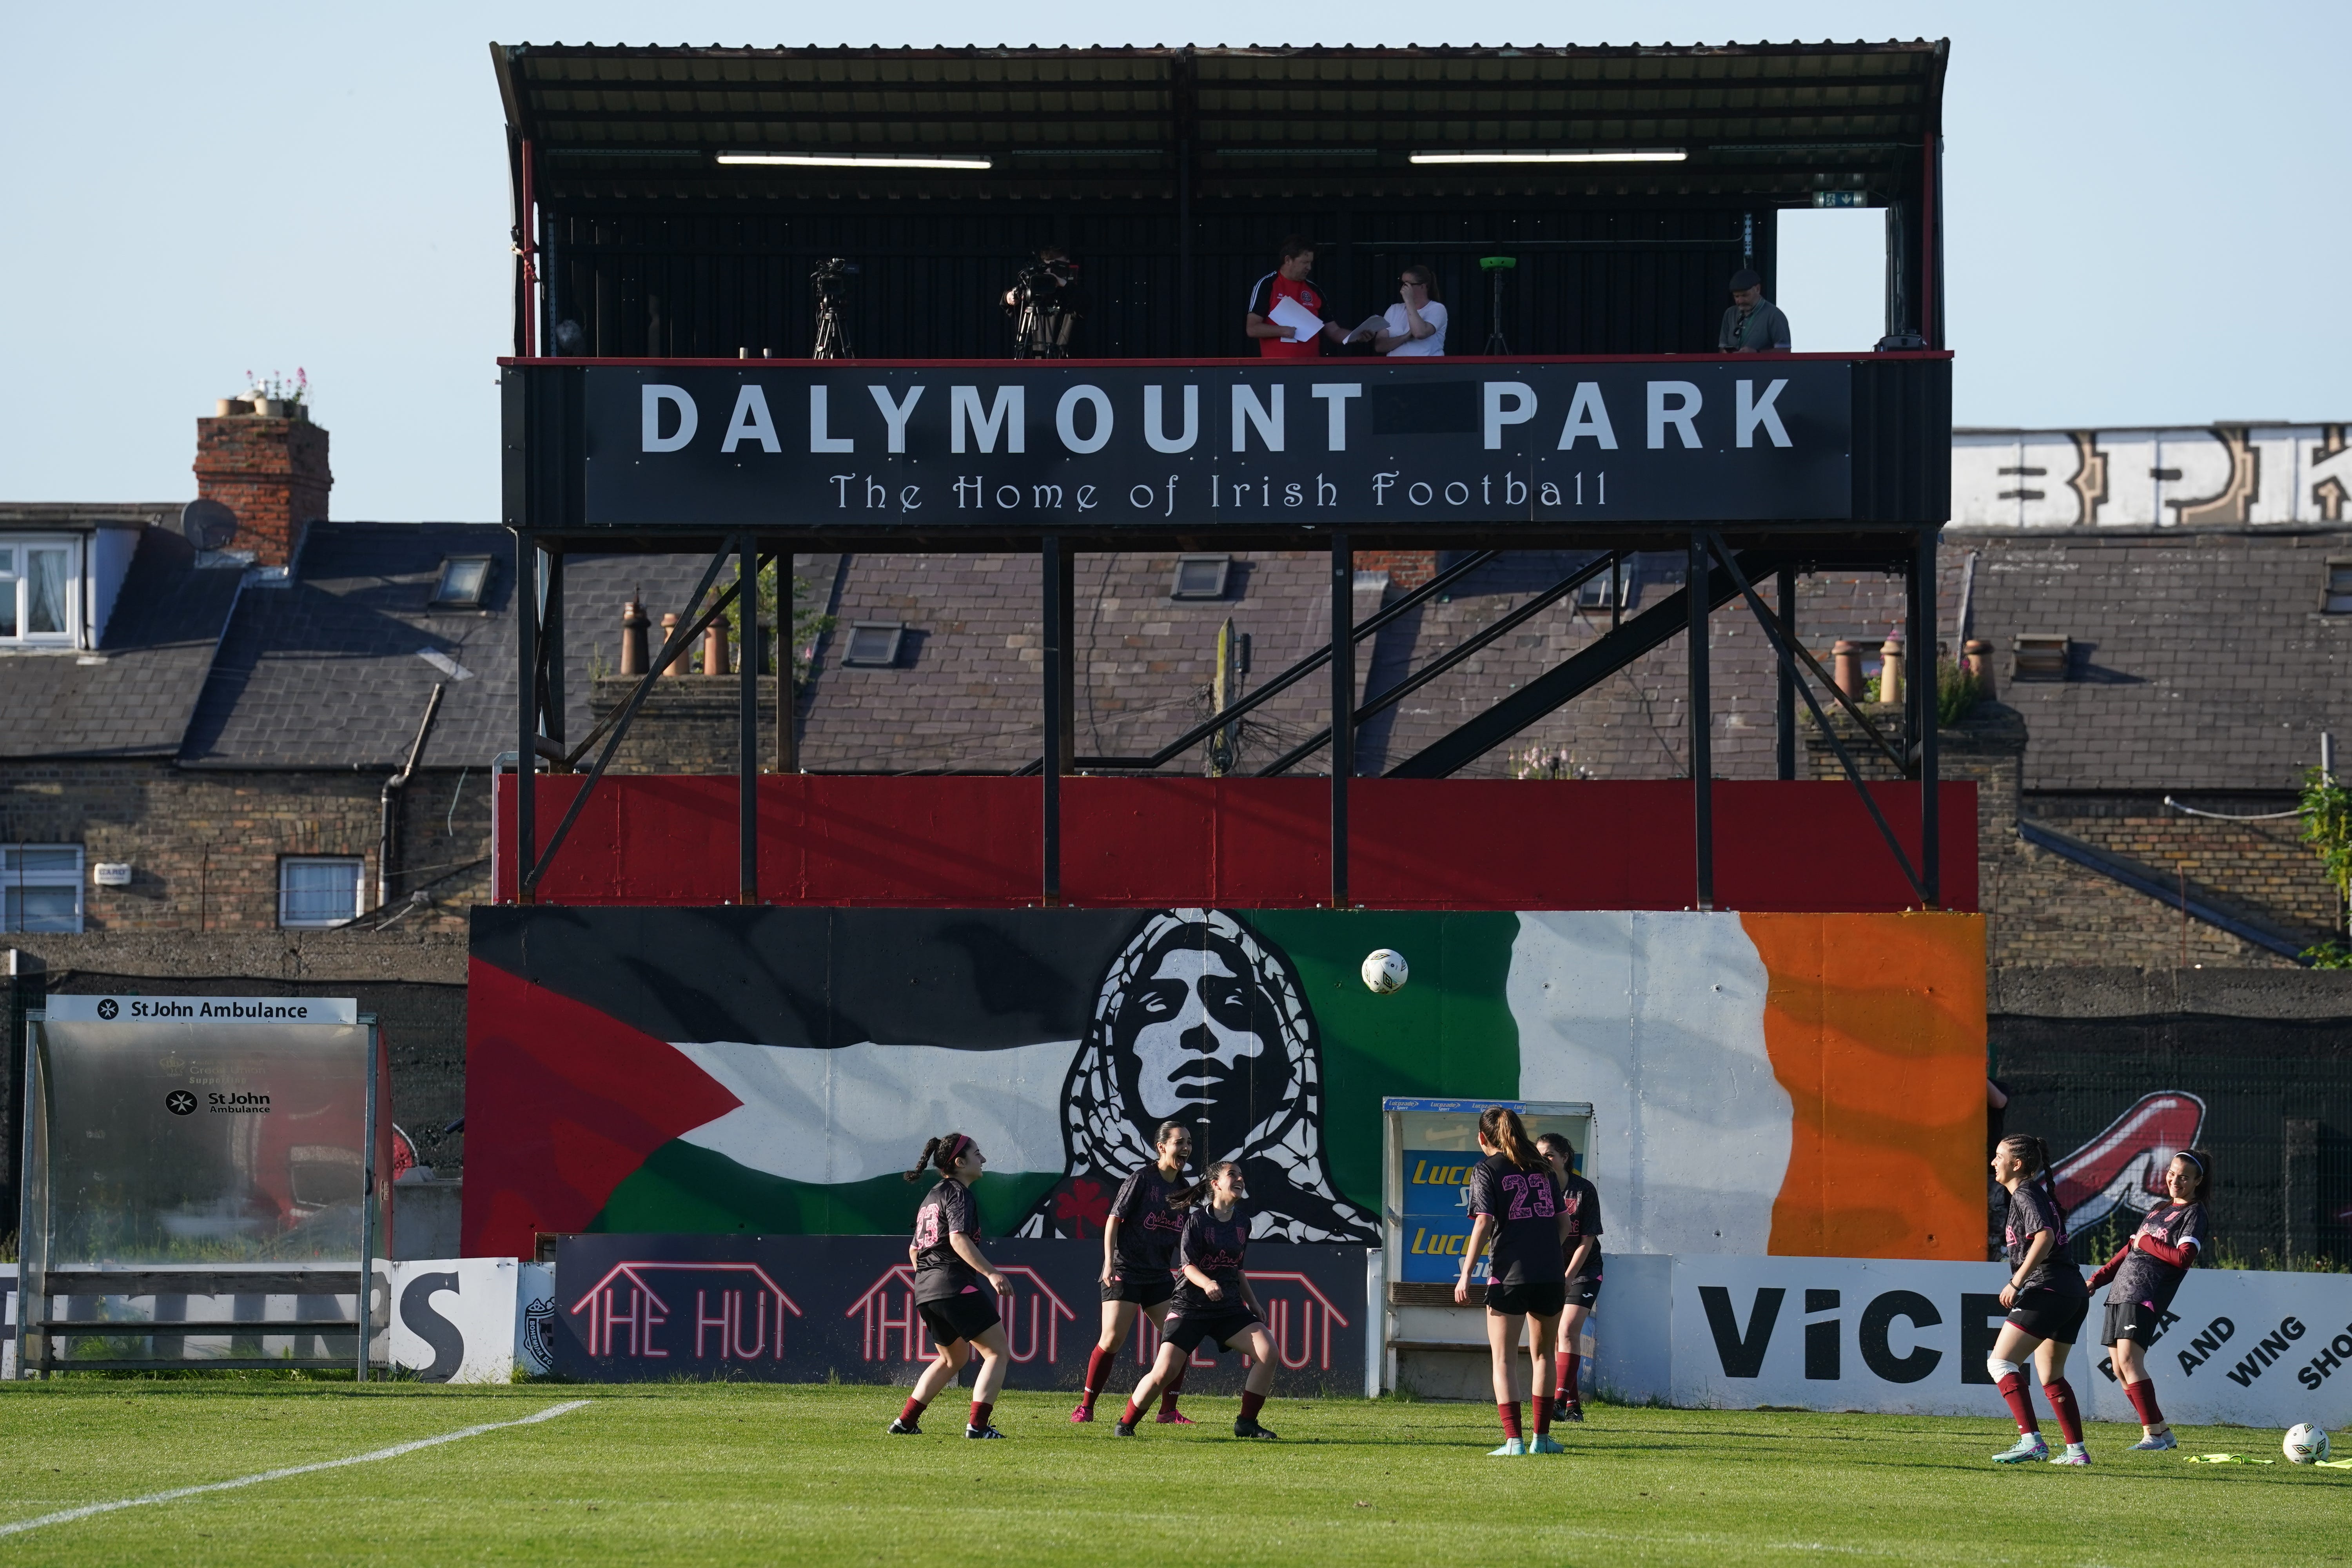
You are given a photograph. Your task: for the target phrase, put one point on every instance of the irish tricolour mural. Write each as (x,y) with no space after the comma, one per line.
(1807,1084)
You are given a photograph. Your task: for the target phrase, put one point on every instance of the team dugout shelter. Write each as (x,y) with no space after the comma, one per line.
(679,219)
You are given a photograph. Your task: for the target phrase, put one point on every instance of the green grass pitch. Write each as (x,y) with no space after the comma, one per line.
(695,1474)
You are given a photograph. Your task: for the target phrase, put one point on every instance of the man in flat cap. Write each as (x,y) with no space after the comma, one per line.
(1752,324)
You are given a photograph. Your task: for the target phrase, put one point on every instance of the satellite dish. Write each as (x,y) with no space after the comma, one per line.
(208,524)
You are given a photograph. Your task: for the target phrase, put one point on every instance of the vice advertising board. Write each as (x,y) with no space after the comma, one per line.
(1088,446)
(1828,1333)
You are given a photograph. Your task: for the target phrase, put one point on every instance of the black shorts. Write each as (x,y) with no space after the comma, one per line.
(1539,1299)
(1143,1286)
(1584,1290)
(2134,1320)
(961,1317)
(2048,1314)
(1217,1325)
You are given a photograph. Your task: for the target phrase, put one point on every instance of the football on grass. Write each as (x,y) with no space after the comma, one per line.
(2306,1444)
(1385,971)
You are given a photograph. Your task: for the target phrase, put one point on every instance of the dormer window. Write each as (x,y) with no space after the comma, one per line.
(38,596)
(464,582)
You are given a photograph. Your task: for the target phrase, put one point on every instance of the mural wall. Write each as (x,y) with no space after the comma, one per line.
(2220,475)
(1783,1083)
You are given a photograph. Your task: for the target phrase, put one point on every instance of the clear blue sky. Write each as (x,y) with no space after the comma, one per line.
(2146,203)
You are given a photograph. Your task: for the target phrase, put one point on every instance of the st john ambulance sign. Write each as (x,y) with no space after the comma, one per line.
(1339,440)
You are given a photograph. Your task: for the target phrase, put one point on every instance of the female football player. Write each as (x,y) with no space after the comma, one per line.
(1583,1202)
(1515,1201)
(948,1269)
(2148,1270)
(1139,1255)
(1212,1301)
(2046,1301)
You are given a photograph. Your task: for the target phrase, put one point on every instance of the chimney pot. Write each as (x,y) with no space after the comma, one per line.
(634,655)
(714,648)
(669,629)
(1976,658)
(1846,667)
(1890,668)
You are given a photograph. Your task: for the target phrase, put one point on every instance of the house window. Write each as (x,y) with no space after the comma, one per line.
(2338,598)
(1593,591)
(464,582)
(318,890)
(38,592)
(40,887)
(1200,577)
(874,645)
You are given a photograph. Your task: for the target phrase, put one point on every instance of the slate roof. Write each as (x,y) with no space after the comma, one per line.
(324,669)
(131,697)
(2201,660)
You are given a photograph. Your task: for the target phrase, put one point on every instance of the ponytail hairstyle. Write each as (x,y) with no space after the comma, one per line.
(1198,1193)
(1501,1126)
(2035,1154)
(2203,1160)
(1557,1143)
(1160,1133)
(1425,275)
(941,1152)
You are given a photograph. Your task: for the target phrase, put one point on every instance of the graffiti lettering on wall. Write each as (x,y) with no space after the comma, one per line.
(2220,475)
(713,1307)
(1803,1084)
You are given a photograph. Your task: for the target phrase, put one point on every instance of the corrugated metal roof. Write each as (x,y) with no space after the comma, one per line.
(1747,116)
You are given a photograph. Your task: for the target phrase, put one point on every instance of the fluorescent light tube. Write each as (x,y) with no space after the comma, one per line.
(1645,155)
(850,160)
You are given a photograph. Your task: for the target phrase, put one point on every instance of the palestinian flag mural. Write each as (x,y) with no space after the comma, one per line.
(1807,1084)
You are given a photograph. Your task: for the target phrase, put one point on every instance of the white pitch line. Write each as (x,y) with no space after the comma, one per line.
(68,1515)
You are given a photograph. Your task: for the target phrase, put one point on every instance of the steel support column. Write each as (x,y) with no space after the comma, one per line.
(788,757)
(747,744)
(1784,719)
(526,709)
(1057,581)
(1343,707)
(1702,760)
(1923,665)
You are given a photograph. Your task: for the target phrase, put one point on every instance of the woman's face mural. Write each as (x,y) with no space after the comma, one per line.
(1195,1040)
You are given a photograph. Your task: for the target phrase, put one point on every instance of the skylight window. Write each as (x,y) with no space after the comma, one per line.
(2337,601)
(874,645)
(464,582)
(1200,577)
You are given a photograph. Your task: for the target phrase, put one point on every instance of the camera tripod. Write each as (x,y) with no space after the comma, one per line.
(1043,329)
(832,333)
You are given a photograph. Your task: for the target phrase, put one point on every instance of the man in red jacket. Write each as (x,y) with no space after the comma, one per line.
(1288,282)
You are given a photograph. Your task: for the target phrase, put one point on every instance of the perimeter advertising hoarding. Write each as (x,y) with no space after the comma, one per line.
(1841,1333)
(1344,441)
(801,1309)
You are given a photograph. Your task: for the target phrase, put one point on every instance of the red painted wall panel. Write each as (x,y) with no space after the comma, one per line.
(1244,842)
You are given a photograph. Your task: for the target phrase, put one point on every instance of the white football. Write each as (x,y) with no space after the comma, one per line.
(1385,971)
(2305,1445)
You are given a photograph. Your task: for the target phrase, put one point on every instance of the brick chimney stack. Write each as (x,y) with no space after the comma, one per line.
(1406,568)
(264,460)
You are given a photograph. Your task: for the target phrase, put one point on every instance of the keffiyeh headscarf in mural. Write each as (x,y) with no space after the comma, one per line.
(1197,1020)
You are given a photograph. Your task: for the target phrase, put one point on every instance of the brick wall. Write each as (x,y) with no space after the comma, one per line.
(2041,909)
(271,472)
(687,725)
(204,845)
